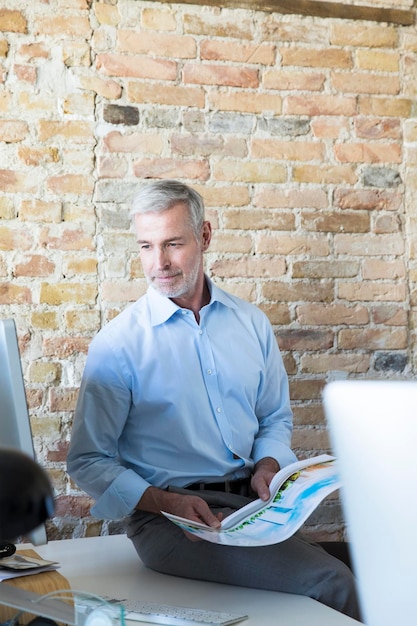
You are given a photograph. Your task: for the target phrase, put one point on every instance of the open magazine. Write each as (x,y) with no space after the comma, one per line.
(23,564)
(296,491)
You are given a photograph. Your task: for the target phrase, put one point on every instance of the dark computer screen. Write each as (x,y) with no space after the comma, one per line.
(15,429)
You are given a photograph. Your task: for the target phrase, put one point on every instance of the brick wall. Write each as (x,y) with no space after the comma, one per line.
(300,133)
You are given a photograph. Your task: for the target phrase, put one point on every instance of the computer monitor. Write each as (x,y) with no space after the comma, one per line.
(15,429)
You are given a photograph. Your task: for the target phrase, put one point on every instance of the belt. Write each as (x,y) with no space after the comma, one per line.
(240,487)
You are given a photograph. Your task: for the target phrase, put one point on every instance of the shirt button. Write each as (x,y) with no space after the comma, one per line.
(218,410)
(208,371)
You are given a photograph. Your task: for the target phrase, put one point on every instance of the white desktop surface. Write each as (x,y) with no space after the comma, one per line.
(110,566)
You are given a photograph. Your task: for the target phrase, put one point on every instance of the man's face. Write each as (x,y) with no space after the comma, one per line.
(172,257)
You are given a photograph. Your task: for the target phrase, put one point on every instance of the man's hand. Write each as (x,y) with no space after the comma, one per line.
(263,473)
(155,500)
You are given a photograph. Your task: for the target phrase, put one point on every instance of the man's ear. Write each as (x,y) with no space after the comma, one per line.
(206,235)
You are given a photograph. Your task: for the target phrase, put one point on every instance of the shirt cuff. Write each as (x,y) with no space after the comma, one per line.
(121,497)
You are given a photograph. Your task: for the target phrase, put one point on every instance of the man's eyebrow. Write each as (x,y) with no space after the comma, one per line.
(174,238)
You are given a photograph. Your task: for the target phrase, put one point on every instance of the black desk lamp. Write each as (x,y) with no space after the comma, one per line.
(26,501)
(26,496)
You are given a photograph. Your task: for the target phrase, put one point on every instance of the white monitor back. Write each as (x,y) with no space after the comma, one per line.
(373,430)
(15,430)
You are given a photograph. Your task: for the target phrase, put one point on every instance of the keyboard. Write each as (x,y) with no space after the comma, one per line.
(170,614)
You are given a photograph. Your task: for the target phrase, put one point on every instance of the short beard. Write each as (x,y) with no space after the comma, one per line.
(187,285)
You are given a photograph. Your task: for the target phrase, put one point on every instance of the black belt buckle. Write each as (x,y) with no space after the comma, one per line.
(239,487)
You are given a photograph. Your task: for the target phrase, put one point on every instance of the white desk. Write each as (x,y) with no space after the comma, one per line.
(110,566)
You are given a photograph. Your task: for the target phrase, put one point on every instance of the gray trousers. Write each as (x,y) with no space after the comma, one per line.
(293,566)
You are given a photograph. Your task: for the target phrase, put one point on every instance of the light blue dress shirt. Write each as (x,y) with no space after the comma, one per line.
(167,401)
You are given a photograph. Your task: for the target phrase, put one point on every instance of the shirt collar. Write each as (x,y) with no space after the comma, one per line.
(162,308)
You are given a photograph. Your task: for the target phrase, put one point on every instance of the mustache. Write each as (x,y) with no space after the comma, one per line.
(166,275)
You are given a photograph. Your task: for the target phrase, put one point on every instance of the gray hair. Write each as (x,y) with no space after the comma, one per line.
(160,195)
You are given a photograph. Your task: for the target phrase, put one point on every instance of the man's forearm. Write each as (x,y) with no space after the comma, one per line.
(263,472)
(267,463)
(155,500)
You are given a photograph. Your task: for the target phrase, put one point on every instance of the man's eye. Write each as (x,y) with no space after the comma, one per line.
(145,246)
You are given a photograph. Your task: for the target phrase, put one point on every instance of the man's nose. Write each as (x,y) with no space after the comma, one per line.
(161,258)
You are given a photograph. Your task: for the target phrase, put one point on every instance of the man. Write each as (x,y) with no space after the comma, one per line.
(184,408)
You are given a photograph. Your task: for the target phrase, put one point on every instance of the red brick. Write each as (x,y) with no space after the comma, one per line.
(37,50)
(221,75)
(146,143)
(324,174)
(332,314)
(381,107)
(245,102)
(320,105)
(368,153)
(118,291)
(11,293)
(38,156)
(373,339)
(370,291)
(156,44)
(378,128)
(13,21)
(324,363)
(71,183)
(223,50)
(292,80)
(325,269)
(287,150)
(374,269)
(366,245)
(75,131)
(158,19)
(107,88)
(172,168)
(305,339)
(329,127)
(68,25)
(66,237)
(65,292)
(367,199)
(389,314)
(292,244)
(4,48)
(363,35)
(112,167)
(62,399)
(76,506)
(305,389)
(336,222)
(218,24)
(361,83)
(325,57)
(15,238)
(172,95)
(26,73)
(131,66)
(291,198)
(35,265)
(62,347)
(298,291)
(13,130)
(17,182)
(258,220)
(250,171)
(249,266)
